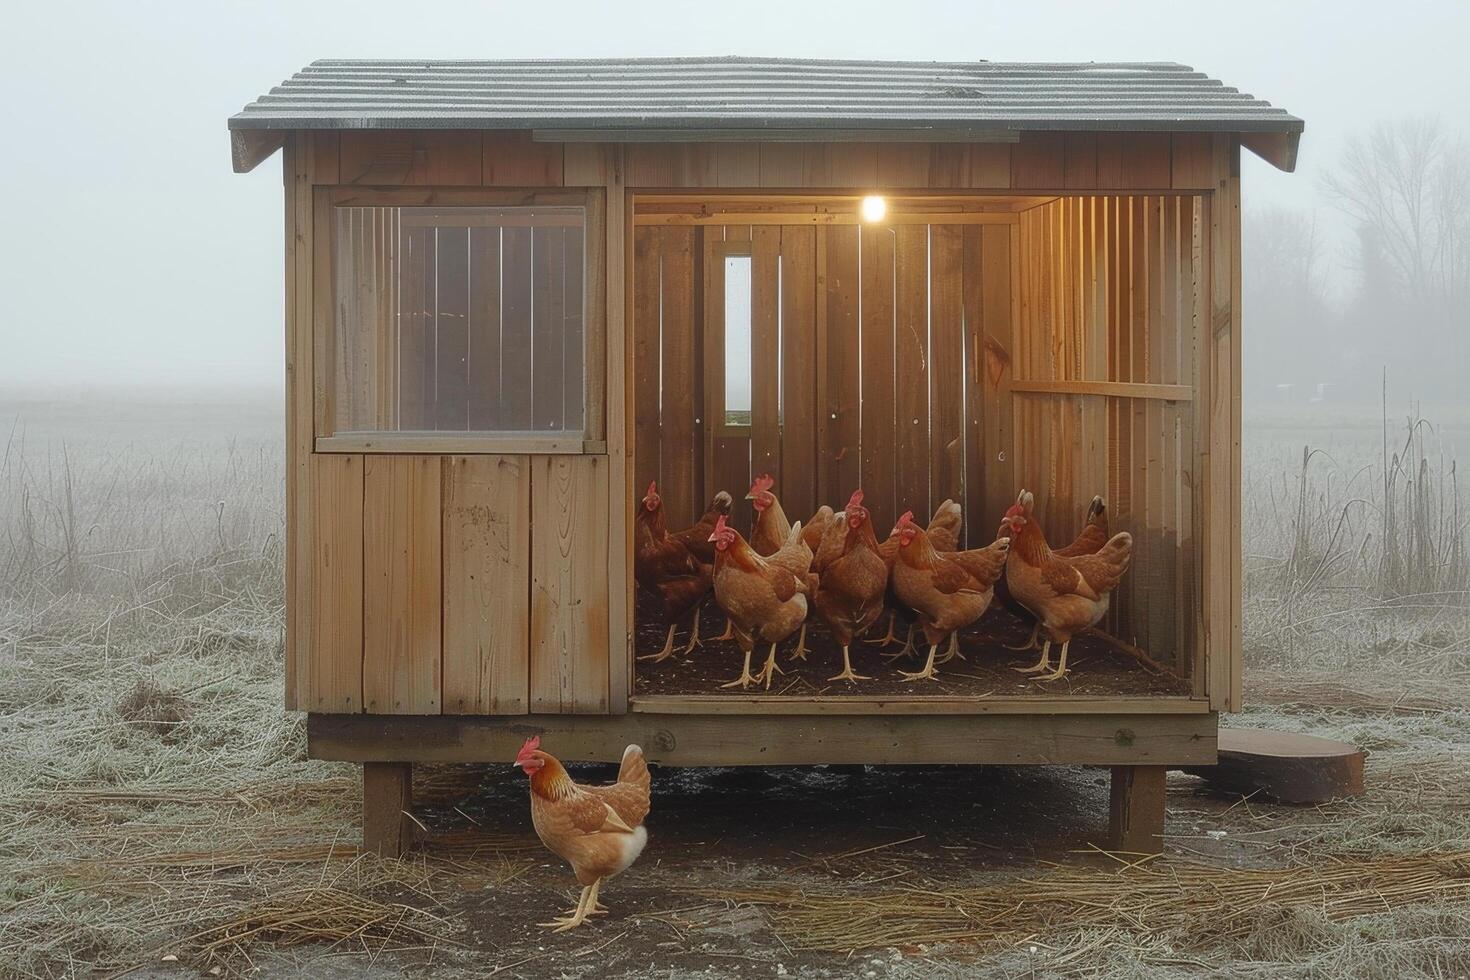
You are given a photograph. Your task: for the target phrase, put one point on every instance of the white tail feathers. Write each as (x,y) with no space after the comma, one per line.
(634,768)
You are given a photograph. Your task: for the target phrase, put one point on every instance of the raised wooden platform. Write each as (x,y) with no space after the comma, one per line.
(1284,767)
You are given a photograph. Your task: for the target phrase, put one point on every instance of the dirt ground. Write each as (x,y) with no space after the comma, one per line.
(160,817)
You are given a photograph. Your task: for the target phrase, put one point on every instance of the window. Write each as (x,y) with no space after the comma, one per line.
(737,339)
(458,319)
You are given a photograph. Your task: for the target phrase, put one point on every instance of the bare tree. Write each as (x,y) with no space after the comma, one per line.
(1284,298)
(1405,184)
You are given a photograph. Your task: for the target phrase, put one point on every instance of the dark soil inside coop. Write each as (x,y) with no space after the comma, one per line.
(1095,667)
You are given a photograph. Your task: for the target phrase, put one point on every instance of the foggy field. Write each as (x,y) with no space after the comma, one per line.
(156,802)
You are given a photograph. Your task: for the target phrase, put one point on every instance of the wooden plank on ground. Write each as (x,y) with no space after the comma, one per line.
(569,585)
(402,594)
(487,577)
(336,607)
(1285,767)
(879,396)
(911,367)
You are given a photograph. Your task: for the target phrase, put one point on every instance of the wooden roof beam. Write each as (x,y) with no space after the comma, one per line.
(250,147)
(1277,149)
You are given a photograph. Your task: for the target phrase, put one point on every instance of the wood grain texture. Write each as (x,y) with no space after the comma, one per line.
(387,797)
(1136,809)
(569,585)
(680,386)
(402,594)
(947,456)
(911,369)
(647,354)
(419,157)
(337,583)
(513,159)
(798,372)
(487,581)
(765,354)
(718,740)
(879,394)
(839,425)
(300,420)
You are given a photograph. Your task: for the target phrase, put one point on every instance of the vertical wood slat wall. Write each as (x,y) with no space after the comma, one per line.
(872,329)
(320,610)
(1111,293)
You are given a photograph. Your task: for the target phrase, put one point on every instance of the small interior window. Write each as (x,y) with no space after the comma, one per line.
(737,339)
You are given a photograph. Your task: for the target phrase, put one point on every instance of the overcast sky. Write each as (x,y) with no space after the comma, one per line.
(134,255)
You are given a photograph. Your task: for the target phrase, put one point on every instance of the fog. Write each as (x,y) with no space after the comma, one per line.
(136,258)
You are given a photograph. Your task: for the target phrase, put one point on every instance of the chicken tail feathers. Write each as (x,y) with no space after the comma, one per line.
(634,769)
(945,526)
(1097,511)
(1119,548)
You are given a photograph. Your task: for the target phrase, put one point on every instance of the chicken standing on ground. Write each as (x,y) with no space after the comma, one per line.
(598,830)
(944,534)
(1067,595)
(1089,541)
(772,528)
(947,591)
(671,571)
(765,598)
(852,579)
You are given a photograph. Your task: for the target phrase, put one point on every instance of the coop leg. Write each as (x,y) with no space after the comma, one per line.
(1136,809)
(387,794)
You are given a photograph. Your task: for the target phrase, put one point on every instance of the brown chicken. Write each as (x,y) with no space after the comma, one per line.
(670,569)
(772,527)
(765,598)
(944,534)
(598,830)
(1089,541)
(1067,595)
(852,578)
(947,591)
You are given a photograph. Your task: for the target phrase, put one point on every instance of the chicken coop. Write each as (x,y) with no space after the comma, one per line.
(518,293)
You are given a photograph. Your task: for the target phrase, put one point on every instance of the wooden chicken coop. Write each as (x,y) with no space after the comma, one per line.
(518,292)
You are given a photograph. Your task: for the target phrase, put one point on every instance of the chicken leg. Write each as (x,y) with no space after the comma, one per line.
(847,674)
(585,906)
(666,652)
(694,640)
(888,637)
(801,648)
(729,633)
(1061,670)
(952,651)
(770,669)
(928,673)
(746,678)
(1031,644)
(908,646)
(1043,664)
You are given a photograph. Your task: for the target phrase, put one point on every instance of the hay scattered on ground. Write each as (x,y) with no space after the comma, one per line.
(1190,903)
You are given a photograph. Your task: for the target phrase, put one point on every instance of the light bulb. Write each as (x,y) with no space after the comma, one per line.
(874,208)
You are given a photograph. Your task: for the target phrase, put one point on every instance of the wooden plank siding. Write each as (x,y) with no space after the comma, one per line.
(909,358)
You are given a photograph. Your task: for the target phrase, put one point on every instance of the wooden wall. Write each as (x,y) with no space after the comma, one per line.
(877,363)
(406,662)
(1111,300)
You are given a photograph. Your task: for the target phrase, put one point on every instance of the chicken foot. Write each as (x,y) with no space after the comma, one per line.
(1061,670)
(770,669)
(746,678)
(928,673)
(847,674)
(888,637)
(666,652)
(951,651)
(801,648)
(729,633)
(1031,644)
(586,905)
(908,646)
(694,640)
(1043,664)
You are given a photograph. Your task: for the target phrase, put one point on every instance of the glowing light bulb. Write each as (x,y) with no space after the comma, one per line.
(874,208)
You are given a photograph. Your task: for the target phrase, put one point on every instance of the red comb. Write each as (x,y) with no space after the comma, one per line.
(907,518)
(1016,510)
(530,745)
(764,482)
(856,500)
(652,488)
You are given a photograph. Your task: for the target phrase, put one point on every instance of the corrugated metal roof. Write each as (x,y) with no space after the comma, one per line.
(626,96)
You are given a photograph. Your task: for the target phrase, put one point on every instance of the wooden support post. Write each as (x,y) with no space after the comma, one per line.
(387,793)
(1136,809)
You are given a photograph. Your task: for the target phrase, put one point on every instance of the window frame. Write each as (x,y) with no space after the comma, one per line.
(328,439)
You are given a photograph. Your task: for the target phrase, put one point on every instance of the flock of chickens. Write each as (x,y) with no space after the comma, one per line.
(835,566)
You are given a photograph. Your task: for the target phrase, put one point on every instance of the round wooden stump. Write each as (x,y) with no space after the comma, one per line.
(1285,767)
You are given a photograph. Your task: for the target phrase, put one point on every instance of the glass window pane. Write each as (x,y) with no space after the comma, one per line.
(459,320)
(737,340)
